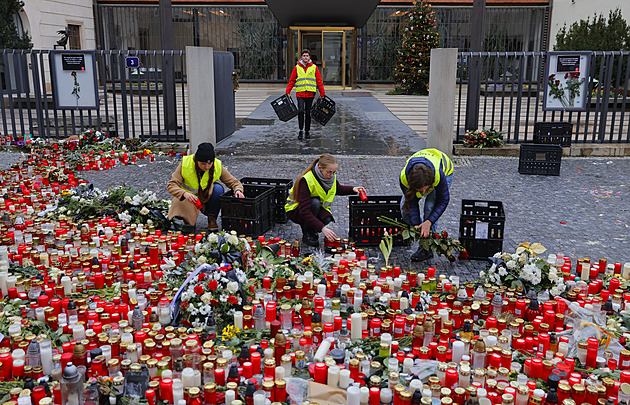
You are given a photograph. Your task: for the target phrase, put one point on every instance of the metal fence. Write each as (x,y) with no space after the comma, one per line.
(131,101)
(511,96)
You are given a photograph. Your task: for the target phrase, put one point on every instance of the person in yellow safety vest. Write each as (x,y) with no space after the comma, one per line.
(427,173)
(195,184)
(307,80)
(309,201)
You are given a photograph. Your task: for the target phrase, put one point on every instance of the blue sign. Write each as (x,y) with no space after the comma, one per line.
(132,61)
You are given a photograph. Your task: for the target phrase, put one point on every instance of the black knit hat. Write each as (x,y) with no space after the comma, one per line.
(205,153)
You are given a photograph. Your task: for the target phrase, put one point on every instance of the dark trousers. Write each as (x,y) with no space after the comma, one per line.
(304,107)
(213,206)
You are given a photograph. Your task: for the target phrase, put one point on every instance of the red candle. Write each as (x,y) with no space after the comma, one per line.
(321,373)
(450,378)
(150,394)
(270,311)
(375,396)
(166,390)
(219,376)
(256,362)
(6,359)
(18,368)
(431,272)
(248,370)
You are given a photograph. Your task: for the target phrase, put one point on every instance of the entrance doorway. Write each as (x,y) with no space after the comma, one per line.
(332,51)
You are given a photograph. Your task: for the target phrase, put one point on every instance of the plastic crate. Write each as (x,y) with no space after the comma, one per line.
(323,110)
(540,159)
(365,228)
(481,227)
(558,133)
(284,107)
(280,194)
(250,215)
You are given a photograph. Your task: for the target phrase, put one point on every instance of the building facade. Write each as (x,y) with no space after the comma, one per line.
(346,54)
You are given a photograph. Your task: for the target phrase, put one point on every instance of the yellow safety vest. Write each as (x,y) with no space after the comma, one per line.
(189,173)
(306,79)
(316,190)
(438,159)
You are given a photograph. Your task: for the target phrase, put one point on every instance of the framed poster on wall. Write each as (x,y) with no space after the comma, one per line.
(566,80)
(74,80)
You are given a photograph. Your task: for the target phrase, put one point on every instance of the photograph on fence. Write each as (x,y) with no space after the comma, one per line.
(567,79)
(74,80)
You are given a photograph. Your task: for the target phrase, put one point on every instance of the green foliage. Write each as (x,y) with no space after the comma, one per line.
(9,37)
(419,37)
(257,50)
(597,34)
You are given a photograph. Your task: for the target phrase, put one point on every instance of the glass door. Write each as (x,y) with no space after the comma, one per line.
(333,58)
(330,52)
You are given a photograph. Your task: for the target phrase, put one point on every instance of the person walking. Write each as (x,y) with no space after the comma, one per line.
(306,80)
(309,201)
(194,187)
(427,173)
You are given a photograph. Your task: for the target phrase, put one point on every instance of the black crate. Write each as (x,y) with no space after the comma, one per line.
(323,110)
(284,107)
(558,133)
(365,228)
(280,194)
(481,227)
(540,159)
(251,215)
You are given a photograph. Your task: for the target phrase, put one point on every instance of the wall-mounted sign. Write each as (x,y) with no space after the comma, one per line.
(566,81)
(74,80)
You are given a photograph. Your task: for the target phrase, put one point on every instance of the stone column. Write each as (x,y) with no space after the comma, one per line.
(442,80)
(201,111)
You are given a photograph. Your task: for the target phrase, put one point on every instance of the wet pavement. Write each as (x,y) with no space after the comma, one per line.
(362,125)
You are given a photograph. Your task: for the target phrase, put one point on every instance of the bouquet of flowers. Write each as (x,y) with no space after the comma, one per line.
(525,268)
(211,295)
(483,138)
(565,92)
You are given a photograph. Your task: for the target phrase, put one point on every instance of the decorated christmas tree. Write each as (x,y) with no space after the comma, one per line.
(419,37)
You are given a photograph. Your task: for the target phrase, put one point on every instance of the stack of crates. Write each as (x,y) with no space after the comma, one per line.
(544,156)
(481,228)
(252,215)
(281,189)
(365,228)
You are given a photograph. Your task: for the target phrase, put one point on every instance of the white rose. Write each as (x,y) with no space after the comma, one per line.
(144,211)
(206,297)
(127,199)
(232,239)
(213,238)
(502,271)
(232,287)
(202,260)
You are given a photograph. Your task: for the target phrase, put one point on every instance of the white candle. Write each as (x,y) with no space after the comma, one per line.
(11,280)
(327,316)
(188,377)
(626,271)
(280,373)
(344,379)
(45,347)
(407,364)
(365,395)
(386,396)
(491,341)
(321,290)
(333,376)
(197,378)
(238,319)
(586,272)
(107,352)
(415,384)
(458,351)
(39,314)
(356,323)
(443,314)
(3,280)
(309,276)
(66,282)
(230,395)
(404,303)
(167,374)
(259,399)
(353,396)
(322,350)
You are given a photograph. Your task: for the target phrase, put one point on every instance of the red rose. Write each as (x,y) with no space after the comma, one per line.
(463,255)
(201,276)
(198,290)
(212,285)
(451,259)
(232,300)
(214,302)
(436,235)
(444,234)
(184,305)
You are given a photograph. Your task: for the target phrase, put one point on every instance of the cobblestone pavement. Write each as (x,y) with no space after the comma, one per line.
(584,212)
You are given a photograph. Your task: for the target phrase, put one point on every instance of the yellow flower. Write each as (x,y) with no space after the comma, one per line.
(229,332)
(307,260)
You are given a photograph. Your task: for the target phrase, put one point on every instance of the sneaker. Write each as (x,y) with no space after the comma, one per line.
(421,255)
(310,237)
